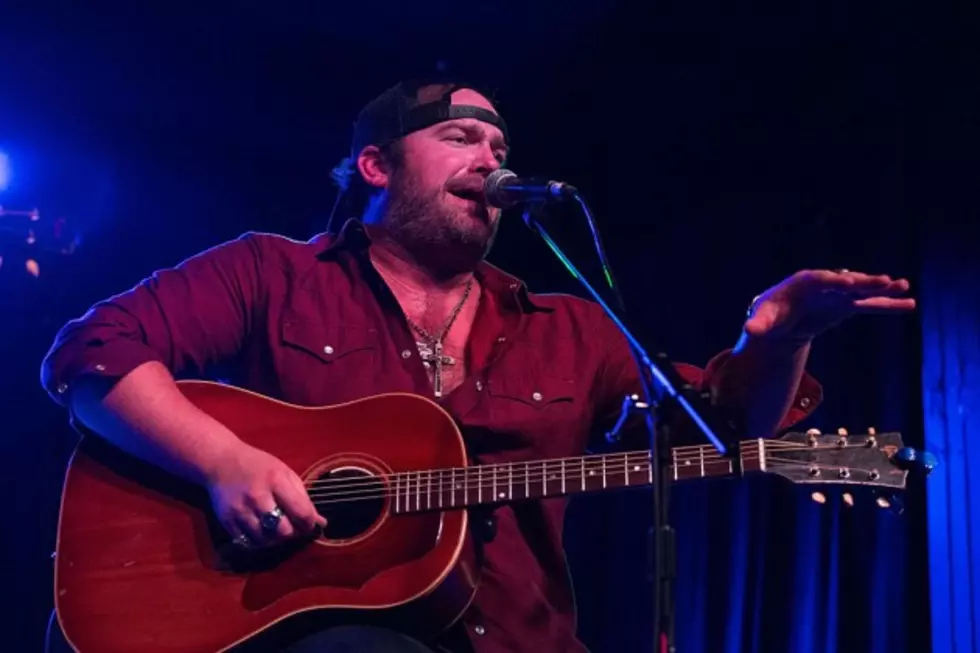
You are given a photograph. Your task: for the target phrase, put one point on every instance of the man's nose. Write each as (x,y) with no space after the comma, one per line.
(486,159)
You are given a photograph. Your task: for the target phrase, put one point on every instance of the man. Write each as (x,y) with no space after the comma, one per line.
(527,376)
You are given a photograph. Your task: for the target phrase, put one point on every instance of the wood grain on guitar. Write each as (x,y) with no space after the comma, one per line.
(141,565)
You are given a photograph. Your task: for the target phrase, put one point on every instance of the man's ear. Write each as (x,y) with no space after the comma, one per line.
(373,167)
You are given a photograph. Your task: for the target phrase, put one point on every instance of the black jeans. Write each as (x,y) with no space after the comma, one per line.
(343,639)
(358,639)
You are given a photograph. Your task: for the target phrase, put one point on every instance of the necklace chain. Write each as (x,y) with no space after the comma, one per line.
(431,351)
(449,322)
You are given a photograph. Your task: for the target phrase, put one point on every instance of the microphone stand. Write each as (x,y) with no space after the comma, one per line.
(665,394)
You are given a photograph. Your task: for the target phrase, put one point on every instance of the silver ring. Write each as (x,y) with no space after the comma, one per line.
(271,519)
(841,270)
(242,541)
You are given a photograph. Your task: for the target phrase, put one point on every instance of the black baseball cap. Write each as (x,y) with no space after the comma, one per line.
(416,104)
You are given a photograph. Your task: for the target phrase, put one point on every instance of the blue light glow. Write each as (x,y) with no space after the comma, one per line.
(5,171)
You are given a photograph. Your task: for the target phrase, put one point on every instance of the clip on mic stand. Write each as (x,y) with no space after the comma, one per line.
(661,400)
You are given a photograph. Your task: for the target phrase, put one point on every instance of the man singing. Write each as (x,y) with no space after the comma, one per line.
(402,300)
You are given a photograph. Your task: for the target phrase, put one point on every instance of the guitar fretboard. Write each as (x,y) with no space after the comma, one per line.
(441,489)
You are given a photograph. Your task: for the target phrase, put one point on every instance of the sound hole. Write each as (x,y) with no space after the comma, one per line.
(351,499)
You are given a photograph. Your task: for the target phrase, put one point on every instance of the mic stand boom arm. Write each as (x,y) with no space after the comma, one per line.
(667,393)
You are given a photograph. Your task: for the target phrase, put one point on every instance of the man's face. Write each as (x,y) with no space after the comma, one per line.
(435,197)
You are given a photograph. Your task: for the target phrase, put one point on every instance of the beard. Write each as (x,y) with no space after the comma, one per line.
(450,236)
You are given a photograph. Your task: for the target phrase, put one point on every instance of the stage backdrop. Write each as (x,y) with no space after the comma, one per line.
(947,201)
(951,394)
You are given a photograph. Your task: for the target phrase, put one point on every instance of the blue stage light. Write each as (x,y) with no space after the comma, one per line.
(5,171)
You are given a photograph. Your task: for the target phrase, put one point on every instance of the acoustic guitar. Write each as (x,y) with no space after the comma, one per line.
(142,565)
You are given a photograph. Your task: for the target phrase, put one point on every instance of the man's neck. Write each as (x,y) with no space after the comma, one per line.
(397,265)
(435,303)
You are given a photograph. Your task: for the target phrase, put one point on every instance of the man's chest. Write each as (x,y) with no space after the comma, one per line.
(444,344)
(517,392)
(438,315)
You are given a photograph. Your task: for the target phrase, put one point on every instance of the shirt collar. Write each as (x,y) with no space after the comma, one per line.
(354,237)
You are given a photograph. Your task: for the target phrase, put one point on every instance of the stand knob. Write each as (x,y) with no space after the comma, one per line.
(632,405)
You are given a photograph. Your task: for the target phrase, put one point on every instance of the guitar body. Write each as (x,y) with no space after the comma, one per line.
(142,565)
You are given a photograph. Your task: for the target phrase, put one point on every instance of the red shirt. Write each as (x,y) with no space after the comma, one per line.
(313,324)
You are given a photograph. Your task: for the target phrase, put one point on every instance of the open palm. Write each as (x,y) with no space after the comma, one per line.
(812,301)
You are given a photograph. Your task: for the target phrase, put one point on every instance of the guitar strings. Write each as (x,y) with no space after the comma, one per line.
(537,470)
(380,491)
(426,487)
(714,456)
(423,484)
(682,459)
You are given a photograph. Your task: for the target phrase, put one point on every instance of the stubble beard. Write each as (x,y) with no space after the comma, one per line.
(443,238)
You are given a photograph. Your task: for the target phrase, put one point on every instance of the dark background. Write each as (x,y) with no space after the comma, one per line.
(722,146)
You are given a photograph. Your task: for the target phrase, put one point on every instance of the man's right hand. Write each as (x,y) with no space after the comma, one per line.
(249,484)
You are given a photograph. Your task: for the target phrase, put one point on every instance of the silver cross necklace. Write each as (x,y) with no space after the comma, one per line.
(430,347)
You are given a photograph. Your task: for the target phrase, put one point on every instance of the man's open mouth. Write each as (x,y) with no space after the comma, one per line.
(469,194)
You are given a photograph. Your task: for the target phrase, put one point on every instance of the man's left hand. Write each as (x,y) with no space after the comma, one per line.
(813,301)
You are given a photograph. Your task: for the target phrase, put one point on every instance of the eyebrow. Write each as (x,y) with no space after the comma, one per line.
(496,141)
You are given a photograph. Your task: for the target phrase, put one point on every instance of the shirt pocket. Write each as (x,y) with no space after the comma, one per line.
(539,391)
(325,364)
(539,414)
(329,343)
(537,401)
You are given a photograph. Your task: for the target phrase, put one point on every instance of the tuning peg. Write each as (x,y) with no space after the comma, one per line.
(871,441)
(920,463)
(890,502)
(842,431)
(812,437)
(819,497)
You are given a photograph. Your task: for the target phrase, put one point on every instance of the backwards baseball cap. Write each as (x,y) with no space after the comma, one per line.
(413,105)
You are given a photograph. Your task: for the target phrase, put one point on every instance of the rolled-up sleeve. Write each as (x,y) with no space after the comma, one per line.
(725,380)
(619,377)
(188,317)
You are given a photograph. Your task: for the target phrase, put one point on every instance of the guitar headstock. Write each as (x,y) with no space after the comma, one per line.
(32,234)
(879,461)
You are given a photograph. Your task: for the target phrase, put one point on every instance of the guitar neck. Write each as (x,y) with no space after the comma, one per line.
(441,489)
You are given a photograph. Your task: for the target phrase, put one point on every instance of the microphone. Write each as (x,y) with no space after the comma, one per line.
(504,189)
